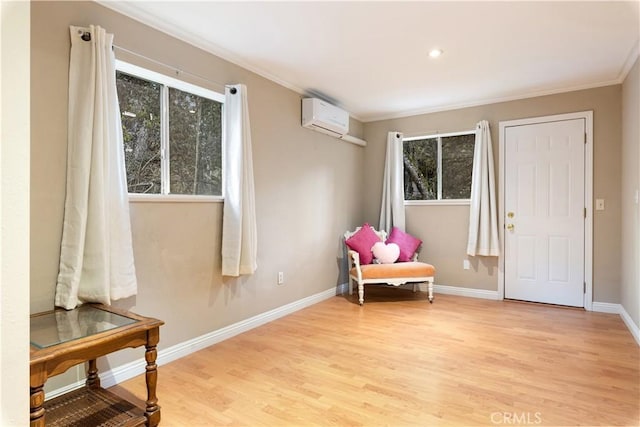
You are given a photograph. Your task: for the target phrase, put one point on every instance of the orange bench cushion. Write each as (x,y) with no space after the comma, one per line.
(399,269)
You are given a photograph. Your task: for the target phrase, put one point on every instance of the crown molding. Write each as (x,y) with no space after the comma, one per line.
(631,59)
(487,101)
(129,9)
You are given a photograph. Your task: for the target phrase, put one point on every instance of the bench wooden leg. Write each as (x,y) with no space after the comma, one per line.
(360,293)
(430,287)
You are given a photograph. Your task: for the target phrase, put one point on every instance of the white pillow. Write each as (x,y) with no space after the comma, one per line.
(386,253)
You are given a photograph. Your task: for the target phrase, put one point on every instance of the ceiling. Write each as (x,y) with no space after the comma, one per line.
(371,57)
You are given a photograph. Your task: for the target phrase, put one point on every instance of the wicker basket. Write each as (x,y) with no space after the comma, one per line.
(92,407)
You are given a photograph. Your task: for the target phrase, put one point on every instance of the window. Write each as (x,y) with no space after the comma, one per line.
(438,167)
(172,134)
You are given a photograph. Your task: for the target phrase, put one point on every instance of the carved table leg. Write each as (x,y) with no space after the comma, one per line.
(152,411)
(37,409)
(93,380)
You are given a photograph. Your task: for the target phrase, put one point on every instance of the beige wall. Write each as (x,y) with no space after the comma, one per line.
(630,289)
(307,192)
(444,228)
(308,189)
(14,212)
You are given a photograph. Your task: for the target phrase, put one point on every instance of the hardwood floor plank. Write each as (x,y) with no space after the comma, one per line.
(400,361)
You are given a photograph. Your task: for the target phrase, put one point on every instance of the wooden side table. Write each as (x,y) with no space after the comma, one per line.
(61,339)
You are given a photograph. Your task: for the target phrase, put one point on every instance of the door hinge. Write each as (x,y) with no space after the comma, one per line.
(585,137)
(584,287)
(585,212)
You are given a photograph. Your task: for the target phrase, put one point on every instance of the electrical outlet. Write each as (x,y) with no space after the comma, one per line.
(280,277)
(466,264)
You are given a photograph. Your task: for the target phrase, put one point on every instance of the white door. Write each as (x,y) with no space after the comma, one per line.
(544,212)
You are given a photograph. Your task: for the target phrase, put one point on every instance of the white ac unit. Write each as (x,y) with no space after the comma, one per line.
(323,117)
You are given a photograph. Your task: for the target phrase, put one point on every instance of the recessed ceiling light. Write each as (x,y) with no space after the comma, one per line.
(434,53)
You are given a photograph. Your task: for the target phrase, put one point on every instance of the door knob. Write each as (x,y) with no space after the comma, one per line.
(510,227)
(510,214)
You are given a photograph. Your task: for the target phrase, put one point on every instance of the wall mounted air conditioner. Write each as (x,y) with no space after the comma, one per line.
(323,117)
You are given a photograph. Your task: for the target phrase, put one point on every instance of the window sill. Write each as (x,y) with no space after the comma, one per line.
(464,202)
(173,198)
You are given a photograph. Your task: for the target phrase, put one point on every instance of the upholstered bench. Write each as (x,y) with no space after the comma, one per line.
(394,274)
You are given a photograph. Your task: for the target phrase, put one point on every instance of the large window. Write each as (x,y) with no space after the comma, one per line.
(438,167)
(172,134)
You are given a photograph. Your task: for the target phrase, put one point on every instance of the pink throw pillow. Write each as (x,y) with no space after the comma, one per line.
(408,244)
(362,242)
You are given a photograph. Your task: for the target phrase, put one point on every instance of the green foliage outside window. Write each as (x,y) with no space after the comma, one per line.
(194,139)
(457,166)
(140,113)
(421,169)
(195,133)
(438,168)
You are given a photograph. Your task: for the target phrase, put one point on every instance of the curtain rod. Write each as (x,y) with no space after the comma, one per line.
(177,71)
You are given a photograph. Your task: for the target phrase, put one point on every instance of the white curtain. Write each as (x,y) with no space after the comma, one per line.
(239,232)
(483,213)
(96,258)
(392,207)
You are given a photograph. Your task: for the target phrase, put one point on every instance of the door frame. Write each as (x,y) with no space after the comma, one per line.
(588,196)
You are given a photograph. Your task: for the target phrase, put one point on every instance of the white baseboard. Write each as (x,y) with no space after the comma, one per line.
(137,367)
(466,292)
(633,328)
(69,387)
(606,307)
(448,290)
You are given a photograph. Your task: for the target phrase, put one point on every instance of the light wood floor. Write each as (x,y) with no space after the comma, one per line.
(399,361)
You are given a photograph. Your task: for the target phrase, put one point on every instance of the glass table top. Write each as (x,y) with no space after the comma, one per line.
(61,325)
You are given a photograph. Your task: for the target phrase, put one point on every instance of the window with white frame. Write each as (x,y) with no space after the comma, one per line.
(438,167)
(172,134)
